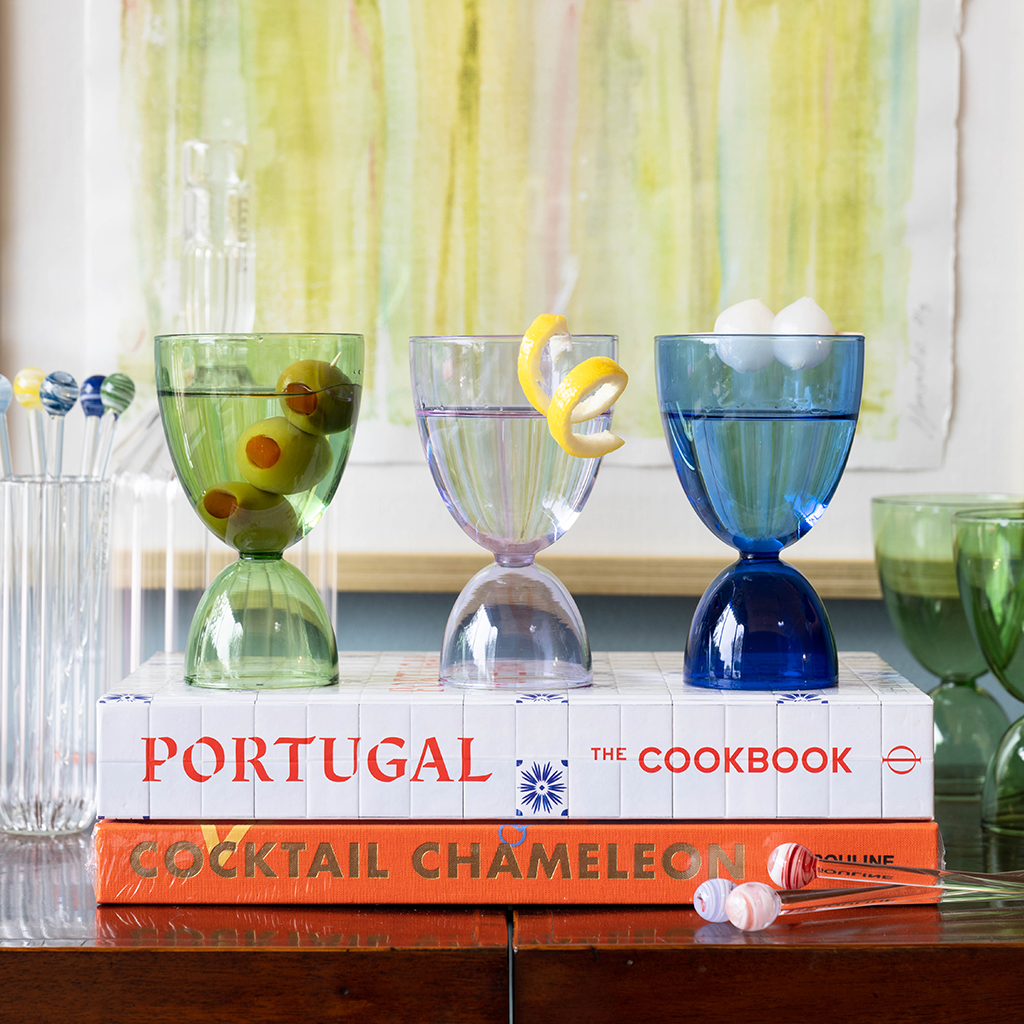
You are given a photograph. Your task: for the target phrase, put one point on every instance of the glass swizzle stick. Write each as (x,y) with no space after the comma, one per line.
(792,866)
(92,406)
(6,395)
(57,394)
(753,906)
(116,393)
(26,391)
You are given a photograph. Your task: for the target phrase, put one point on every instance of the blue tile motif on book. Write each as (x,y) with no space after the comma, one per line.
(542,788)
(798,697)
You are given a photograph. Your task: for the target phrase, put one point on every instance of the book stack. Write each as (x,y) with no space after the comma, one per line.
(390,788)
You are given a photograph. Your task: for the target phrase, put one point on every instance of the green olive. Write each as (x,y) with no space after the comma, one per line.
(276,456)
(249,519)
(317,397)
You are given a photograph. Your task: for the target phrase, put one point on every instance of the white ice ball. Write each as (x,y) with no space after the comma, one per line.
(749,317)
(803,317)
(744,353)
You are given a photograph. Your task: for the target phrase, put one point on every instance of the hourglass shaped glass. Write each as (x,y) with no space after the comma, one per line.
(760,428)
(989,544)
(259,428)
(515,491)
(917,571)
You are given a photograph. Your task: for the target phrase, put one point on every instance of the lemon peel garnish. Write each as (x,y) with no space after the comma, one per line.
(589,389)
(541,331)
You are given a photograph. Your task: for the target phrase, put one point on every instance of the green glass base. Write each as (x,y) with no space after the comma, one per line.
(969,723)
(261,624)
(959,821)
(1004,847)
(1002,807)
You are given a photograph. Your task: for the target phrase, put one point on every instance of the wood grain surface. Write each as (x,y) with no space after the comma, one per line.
(258,986)
(835,984)
(898,964)
(634,965)
(417,572)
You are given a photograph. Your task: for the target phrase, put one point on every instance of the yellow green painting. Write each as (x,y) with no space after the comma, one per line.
(460,166)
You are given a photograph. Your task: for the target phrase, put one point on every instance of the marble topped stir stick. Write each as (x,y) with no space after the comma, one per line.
(58,394)
(753,906)
(6,397)
(116,393)
(26,392)
(92,405)
(792,866)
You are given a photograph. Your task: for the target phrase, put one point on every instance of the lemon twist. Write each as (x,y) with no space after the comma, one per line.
(542,330)
(589,389)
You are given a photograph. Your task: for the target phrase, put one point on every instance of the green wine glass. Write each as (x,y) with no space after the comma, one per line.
(914,553)
(990,569)
(259,427)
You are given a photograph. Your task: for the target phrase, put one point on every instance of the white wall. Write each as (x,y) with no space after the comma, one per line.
(67,280)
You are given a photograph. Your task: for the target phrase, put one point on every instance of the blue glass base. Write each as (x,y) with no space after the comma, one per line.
(760,626)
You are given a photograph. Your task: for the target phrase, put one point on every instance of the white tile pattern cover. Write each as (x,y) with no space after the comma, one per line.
(392,742)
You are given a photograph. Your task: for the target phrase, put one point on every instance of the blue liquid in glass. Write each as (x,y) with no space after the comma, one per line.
(759,479)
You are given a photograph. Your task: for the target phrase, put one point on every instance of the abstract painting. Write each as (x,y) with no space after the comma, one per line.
(459,166)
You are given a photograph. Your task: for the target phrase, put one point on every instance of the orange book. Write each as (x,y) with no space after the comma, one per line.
(456,862)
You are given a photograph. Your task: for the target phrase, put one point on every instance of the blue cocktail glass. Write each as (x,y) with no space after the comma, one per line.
(760,429)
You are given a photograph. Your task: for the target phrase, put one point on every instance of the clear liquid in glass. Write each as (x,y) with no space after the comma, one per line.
(506,481)
(203,429)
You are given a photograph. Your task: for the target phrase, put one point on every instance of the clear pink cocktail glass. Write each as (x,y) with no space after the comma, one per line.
(515,491)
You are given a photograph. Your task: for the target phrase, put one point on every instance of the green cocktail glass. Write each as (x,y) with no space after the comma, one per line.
(259,428)
(916,567)
(990,570)
(917,570)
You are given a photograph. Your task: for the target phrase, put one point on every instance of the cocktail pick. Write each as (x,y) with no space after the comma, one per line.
(792,866)
(6,395)
(92,406)
(26,391)
(58,394)
(116,393)
(753,906)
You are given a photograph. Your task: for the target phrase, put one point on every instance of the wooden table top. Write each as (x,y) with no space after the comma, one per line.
(64,959)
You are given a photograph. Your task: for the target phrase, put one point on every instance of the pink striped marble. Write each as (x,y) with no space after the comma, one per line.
(792,866)
(753,906)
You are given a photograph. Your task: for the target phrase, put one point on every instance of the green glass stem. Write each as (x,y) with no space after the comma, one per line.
(969,723)
(1002,803)
(261,623)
